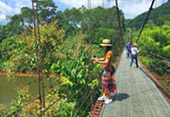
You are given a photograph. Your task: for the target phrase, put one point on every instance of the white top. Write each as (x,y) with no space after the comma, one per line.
(134,50)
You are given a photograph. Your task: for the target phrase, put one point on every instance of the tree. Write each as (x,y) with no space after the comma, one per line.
(47,10)
(26,16)
(19,51)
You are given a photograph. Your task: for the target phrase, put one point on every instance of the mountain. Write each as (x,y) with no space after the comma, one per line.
(155,13)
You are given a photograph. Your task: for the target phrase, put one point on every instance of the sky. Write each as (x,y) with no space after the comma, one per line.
(131,8)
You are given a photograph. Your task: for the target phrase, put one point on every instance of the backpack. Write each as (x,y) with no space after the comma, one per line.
(113,70)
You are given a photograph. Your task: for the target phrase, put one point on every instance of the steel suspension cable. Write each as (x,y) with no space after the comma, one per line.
(82,104)
(41,60)
(156,57)
(88,106)
(39,96)
(160,56)
(67,79)
(37,51)
(22,106)
(61,98)
(162,66)
(43,94)
(37,58)
(158,65)
(35,38)
(70,89)
(40,53)
(118,18)
(168,80)
(71,97)
(145,20)
(152,65)
(80,100)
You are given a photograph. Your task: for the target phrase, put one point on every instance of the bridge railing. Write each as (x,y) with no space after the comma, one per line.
(159,66)
(87,93)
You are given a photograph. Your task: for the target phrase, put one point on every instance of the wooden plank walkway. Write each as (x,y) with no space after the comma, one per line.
(137,95)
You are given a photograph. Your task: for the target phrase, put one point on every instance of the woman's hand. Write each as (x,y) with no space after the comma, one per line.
(94,62)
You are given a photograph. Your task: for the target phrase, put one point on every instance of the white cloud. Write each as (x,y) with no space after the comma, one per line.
(131,8)
(5,8)
(2,17)
(79,3)
(134,8)
(12,7)
(18,4)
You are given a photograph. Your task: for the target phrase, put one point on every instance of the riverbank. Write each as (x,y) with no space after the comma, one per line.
(31,74)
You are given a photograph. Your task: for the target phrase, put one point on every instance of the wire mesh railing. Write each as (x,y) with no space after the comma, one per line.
(52,99)
(158,68)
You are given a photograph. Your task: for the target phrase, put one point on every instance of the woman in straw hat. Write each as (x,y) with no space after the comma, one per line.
(108,81)
(134,52)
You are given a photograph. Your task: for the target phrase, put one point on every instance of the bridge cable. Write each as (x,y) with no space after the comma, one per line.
(145,20)
(118,18)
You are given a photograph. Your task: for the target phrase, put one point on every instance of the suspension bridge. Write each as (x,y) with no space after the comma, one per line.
(137,96)
(139,92)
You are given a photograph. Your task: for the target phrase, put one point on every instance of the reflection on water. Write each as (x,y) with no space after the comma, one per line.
(10,84)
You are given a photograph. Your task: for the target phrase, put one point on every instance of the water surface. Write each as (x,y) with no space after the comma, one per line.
(9,85)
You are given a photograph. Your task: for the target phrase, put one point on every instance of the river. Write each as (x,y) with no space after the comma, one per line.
(9,85)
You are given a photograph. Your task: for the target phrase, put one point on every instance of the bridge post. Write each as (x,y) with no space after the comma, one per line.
(37,54)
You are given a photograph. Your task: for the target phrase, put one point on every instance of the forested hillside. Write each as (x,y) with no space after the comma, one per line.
(155,16)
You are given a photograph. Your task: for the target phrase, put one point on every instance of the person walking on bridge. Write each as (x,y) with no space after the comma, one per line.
(134,52)
(108,81)
(128,47)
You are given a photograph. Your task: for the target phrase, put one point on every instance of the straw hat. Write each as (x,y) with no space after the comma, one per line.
(135,44)
(106,42)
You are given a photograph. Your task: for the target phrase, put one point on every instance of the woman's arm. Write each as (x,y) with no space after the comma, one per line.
(138,50)
(100,59)
(104,61)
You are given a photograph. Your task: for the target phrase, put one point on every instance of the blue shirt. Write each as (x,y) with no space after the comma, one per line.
(128,46)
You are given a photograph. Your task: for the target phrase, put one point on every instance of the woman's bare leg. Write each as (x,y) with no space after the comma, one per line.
(104,94)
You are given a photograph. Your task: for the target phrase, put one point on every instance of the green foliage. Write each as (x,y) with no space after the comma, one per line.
(82,19)
(166,51)
(75,69)
(33,109)
(77,60)
(47,10)
(155,42)
(66,51)
(20,50)
(102,33)
(20,22)
(20,55)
